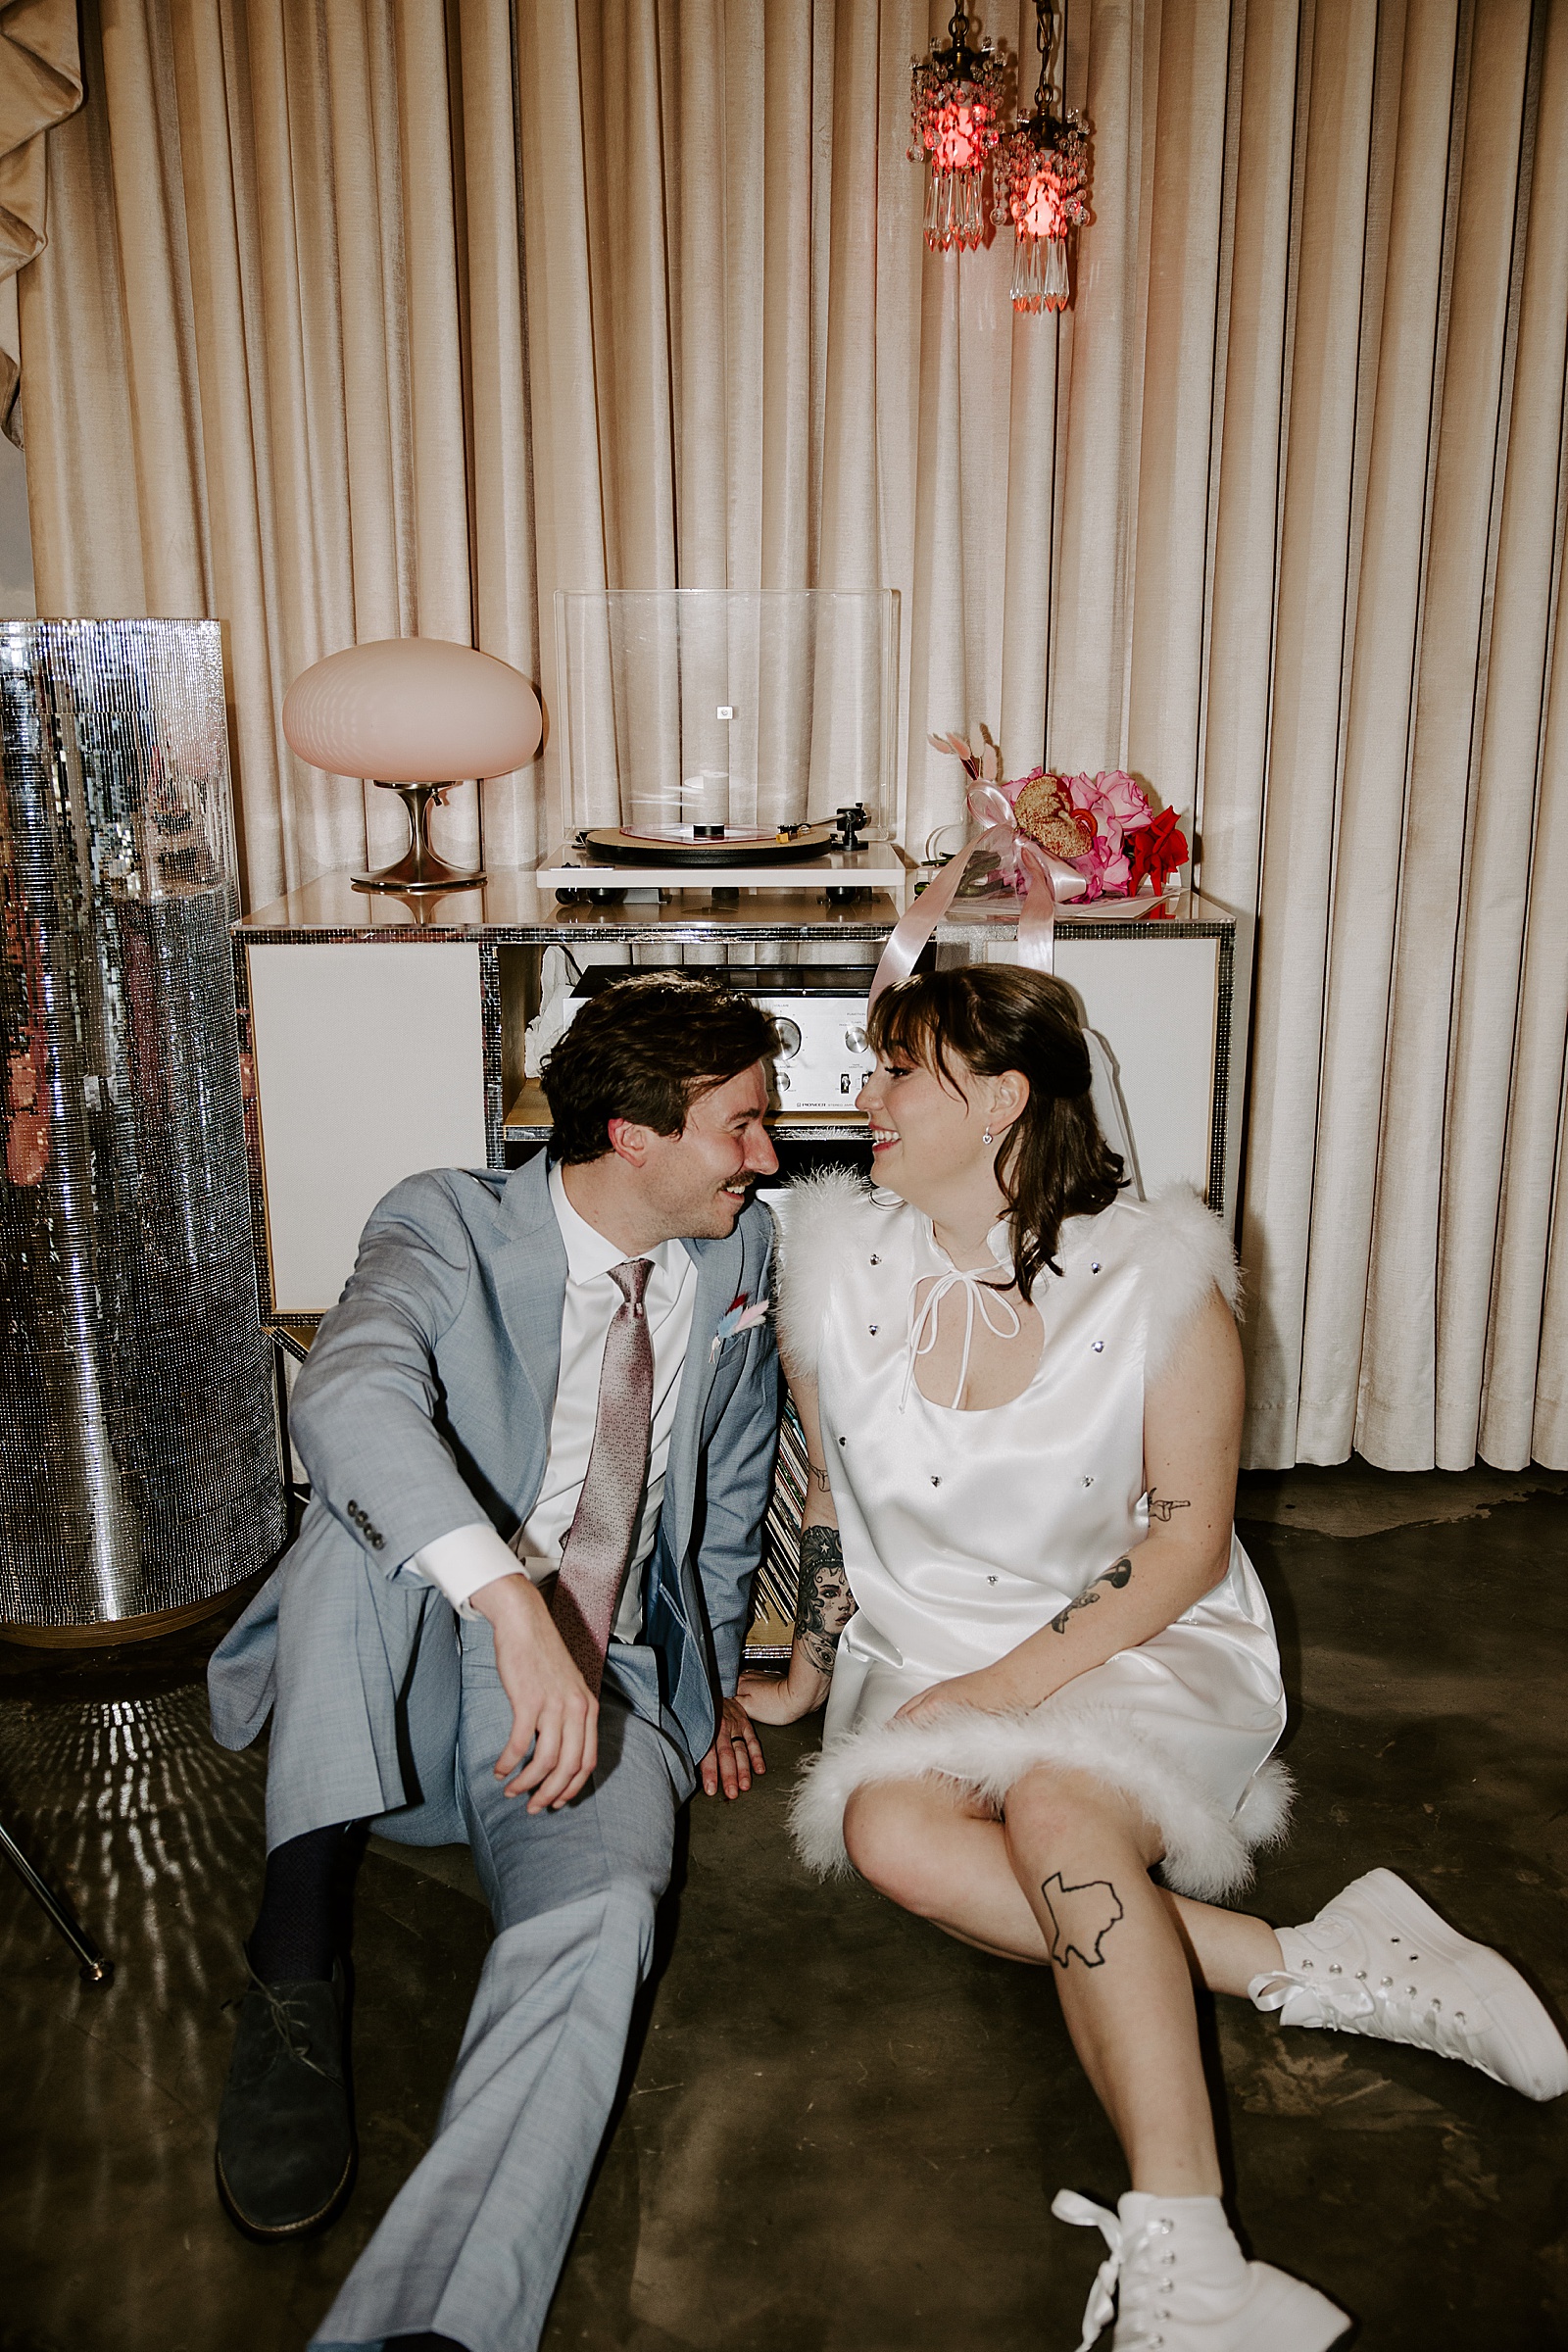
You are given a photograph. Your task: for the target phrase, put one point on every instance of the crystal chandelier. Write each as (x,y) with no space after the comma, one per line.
(955,123)
(1041,178)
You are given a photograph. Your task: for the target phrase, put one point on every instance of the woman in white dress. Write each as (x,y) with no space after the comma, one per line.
(1053,1667)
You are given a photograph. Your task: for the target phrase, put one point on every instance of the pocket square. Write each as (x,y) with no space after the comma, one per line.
(740,1318)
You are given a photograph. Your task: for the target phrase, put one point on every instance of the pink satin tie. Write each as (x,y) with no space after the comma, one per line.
(604,1529)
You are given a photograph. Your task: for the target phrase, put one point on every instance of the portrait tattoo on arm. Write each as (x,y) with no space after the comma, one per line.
(1115,1577)
(1165,1506)
(824,1603)
(1081,1917)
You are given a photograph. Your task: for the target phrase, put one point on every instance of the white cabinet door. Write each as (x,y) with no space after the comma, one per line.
(1155,1003)
(369,1066)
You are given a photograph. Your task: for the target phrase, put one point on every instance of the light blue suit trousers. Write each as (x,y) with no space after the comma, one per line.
(472,2245)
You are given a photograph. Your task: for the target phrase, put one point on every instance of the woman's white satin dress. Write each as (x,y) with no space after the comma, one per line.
(964,1532)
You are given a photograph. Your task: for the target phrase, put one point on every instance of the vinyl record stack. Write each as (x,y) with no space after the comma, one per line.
(140,1475)
(778,1573)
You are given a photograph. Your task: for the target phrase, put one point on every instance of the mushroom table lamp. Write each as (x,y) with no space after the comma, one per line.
(403,710)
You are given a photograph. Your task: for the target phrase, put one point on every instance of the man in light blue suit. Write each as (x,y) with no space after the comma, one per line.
(539,1428)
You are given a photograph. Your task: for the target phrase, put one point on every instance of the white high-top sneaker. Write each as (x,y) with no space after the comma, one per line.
(1380,1961)
(1185,2285)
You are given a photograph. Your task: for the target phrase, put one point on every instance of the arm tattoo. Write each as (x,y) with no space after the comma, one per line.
(819,1479)
(1082,1917)
(1115,1577)
(1163,1506)
(824,1603)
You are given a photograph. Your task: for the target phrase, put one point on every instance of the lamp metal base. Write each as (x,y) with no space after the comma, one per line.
(420,869)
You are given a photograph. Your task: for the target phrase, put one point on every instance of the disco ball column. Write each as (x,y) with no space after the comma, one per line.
(140,1476)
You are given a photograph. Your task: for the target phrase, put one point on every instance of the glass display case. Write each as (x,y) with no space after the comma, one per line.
(683,708)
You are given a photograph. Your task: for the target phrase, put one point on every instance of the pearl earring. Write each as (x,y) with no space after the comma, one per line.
(985,1137)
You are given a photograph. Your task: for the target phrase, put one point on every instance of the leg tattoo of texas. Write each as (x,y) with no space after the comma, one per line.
(1082,1917)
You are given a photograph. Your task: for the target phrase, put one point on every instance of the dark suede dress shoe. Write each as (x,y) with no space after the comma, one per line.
(285,2129)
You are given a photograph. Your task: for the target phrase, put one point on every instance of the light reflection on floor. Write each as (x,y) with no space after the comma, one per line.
(129,1807)
(110,2237)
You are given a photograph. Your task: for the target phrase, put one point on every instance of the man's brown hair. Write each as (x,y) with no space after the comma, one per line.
(644,1048)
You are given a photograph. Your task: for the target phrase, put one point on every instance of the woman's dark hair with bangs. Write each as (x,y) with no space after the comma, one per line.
(1053,1161)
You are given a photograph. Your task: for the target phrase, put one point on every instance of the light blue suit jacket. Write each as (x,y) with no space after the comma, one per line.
(428,1393)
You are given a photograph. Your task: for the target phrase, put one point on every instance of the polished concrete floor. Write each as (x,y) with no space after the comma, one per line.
(841,2132)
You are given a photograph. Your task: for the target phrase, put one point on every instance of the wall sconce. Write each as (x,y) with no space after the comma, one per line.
(402,710)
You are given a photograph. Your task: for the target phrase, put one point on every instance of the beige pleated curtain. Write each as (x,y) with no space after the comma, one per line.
(368,317)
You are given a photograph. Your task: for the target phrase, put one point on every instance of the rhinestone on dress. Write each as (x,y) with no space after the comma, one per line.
(1100,1346)
(872,1328)
(876,1262)
(1095,1268)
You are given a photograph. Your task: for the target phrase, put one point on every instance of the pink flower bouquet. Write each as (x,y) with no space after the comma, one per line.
(1102,826)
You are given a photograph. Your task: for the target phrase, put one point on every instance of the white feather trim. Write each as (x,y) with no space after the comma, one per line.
(814,1219)
(1183,1254)
(1208,1853)
(1181,1251)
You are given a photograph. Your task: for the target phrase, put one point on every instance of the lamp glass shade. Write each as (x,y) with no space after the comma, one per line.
(409,709)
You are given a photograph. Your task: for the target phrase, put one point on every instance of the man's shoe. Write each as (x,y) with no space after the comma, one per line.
(1380,1961)
(1178,2281)
(285,2130)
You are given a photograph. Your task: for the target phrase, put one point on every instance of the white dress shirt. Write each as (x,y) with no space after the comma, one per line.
(466,1558)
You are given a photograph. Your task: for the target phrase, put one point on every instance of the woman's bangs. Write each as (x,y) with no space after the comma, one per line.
(904,1021)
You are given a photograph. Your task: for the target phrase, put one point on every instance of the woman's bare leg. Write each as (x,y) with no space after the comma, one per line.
(1081,1854)
(1065,1879)
(1229,1948)
(937,1853)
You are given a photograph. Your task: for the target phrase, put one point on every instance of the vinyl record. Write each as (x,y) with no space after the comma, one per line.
(680,846)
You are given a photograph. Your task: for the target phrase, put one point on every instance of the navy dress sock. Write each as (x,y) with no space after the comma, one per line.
(303,1922)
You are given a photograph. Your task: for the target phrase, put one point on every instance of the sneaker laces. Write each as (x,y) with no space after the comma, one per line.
(1389,2010)
(1126,2249)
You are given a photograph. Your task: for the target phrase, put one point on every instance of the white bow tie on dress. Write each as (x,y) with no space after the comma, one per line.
(976,1293)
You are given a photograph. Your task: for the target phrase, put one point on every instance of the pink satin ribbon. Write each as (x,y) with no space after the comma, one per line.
(1038,880)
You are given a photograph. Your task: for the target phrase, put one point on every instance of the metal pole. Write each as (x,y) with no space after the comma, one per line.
(95,1969)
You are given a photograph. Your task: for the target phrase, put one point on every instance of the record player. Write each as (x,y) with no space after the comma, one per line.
(721,740)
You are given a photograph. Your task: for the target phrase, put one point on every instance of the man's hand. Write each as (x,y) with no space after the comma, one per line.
(735,1754)
(553,1710)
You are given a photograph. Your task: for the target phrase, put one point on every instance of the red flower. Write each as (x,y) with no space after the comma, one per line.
(1157,850)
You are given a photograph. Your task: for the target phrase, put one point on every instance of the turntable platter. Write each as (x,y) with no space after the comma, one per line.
(682,846)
